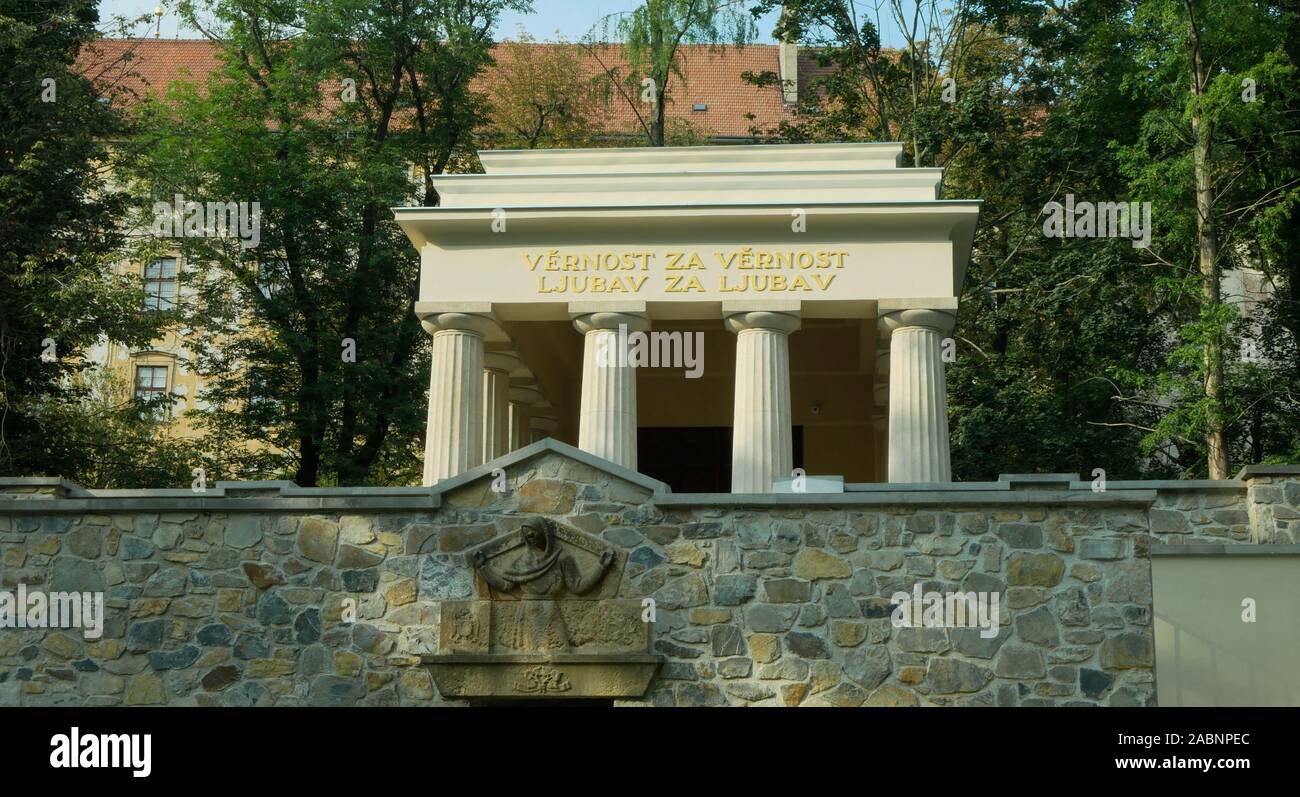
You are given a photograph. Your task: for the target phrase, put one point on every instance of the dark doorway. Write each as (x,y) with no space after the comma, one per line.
(693,459)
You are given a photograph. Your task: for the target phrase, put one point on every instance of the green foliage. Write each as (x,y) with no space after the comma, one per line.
(58,239)
(862,88)
(317,115)
(650,37)
(1084,353)
(1073,353)
(101,437)
(1245,116)
(541,97)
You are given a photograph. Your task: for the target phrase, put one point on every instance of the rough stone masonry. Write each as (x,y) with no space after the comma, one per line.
(269,594)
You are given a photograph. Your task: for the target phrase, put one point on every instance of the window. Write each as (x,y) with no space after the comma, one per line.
(150,383)
(160,284)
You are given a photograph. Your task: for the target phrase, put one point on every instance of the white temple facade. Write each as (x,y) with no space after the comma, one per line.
(716,317)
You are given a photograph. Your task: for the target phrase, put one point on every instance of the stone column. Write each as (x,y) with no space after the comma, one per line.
(496,396)
(607,418)
(454,433)
(918,400)
(522,400)
(761,445)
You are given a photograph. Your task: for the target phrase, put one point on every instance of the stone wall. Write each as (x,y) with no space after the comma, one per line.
(269,594)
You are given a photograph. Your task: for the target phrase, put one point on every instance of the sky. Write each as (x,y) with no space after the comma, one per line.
(551,19)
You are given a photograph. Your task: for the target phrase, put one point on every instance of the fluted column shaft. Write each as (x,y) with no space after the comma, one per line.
(453,438)
(518,422)
(496,398)
(522,400)
(607,417)
(761,443)
(918,399)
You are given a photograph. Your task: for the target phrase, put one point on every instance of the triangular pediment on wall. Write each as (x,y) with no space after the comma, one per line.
(544,461)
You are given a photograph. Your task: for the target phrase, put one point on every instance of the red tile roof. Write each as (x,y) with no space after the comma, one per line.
(148,65)
(712,78)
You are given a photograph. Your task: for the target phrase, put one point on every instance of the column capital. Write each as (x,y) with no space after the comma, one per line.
(633,321)
(544,423)
(526,394)
(740,320)
(939,320)
(502,361)
(482,325)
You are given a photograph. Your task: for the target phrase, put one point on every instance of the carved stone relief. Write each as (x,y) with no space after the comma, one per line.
(545,623)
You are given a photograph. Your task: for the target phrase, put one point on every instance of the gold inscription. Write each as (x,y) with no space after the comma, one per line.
(742,270)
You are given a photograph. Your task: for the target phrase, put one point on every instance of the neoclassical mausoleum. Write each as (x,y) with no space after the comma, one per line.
(687,446)
(810,273)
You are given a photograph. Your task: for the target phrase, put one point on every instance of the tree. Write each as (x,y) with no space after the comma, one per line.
(59,238)
(903,94)
(1046,326)
(1089,352)
(1215,153)
(541,96)
(320,115)
(101,436)
(651,37)
(417,63)
(1051,329)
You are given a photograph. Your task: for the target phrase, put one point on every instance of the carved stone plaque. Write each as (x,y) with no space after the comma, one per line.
(546,623)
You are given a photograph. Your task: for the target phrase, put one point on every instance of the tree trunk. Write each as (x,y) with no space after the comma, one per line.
(656,53)
(1207,258)
(657,126)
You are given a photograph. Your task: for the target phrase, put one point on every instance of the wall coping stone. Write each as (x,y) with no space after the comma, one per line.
(63,496)
(338,499)
(1038,480)
(927,487)
(28,485)
(1168,485)
(1058,481)
(938,495)
(1268,470)
(203,503)
(1220,549)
